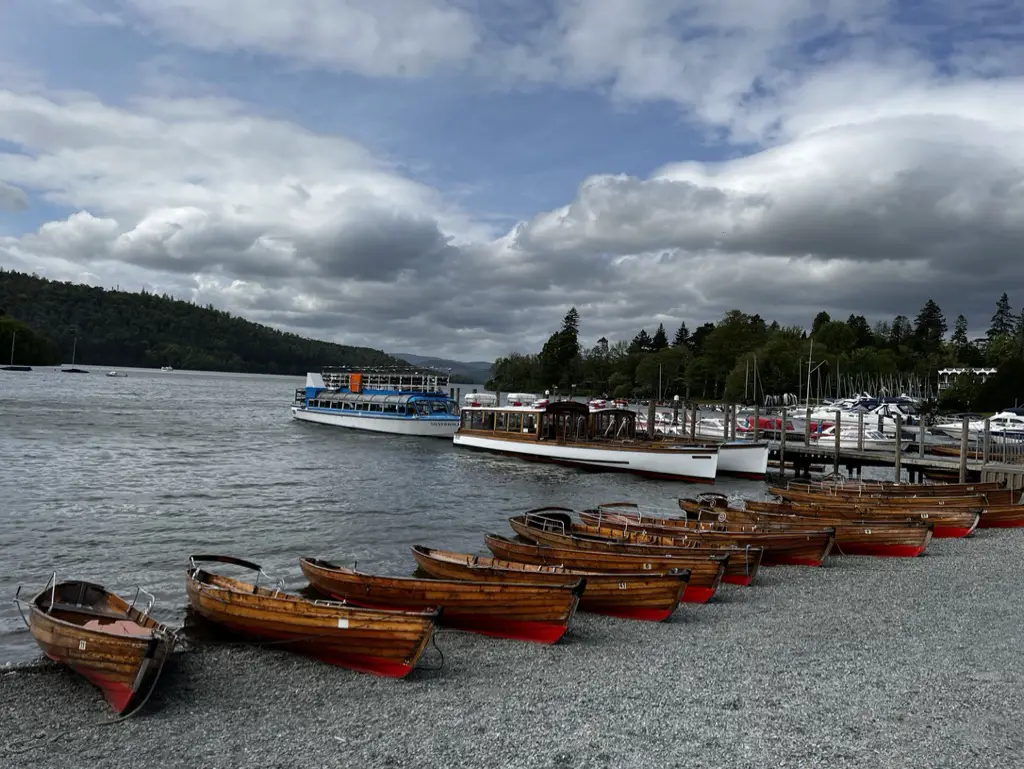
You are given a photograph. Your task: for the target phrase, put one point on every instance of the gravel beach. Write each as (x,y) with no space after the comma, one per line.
(862,663)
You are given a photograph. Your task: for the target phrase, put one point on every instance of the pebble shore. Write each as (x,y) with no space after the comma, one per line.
(862,663)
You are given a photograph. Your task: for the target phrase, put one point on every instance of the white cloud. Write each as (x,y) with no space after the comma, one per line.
(371,37)
(879,180)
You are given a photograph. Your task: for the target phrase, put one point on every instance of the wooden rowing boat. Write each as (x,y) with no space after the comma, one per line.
(712,512)
(385,643)
(109,641)
(908,489)
(892,539)
(975,501)
(551,525)
(741,567)
(1002,517)
(643,595)
(526,612)
(947,522)
(706,571)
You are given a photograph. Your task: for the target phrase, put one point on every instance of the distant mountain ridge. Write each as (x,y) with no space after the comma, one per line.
(473,371)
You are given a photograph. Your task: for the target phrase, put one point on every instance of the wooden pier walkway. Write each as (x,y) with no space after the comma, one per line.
(916,465)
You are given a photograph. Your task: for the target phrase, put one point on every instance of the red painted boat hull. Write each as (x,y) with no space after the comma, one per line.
(885,551)
(484,624)
(640,613)
(953,532)
(1015,524)
(697,594)
(736,579)
(362,663)
(119,695)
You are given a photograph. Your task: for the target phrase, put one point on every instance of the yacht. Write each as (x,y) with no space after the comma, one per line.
(1007,425)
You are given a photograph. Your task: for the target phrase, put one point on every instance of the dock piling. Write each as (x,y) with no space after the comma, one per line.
(757,421)
(782,445)
(964,436)
(860,431)
(835,451)
(693,420)
(807,428)
(898,469)
(920,437)
(651,424)
(986,445)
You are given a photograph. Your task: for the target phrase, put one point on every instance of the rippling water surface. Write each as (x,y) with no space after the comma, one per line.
(119,480)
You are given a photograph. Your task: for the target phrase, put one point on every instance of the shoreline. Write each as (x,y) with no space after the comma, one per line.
(862,662)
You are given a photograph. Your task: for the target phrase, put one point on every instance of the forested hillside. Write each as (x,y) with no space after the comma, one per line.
(118,328)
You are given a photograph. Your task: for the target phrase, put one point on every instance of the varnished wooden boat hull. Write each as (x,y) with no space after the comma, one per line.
(881,499)
(122,666)
(902,489)
(706,571)
(643,596)
(382,643)
(626,522)
(539,613)
(946,522)
(869,538)
(1002,517)
(803,549)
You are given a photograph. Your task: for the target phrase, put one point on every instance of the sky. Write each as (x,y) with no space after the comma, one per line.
(448,177)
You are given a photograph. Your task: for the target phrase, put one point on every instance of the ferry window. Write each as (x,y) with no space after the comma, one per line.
(423,408)
(489,420)
(476,420)
(500,420)
(515,423)
(529,422)
(453,409)
(376,407)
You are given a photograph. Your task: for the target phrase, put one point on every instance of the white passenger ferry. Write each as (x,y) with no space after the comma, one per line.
(569,433)
(400,401)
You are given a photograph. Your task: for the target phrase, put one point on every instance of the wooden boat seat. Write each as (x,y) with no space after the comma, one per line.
(123,627)
(88,610)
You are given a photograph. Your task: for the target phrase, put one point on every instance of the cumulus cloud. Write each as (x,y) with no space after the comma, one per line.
(860,177)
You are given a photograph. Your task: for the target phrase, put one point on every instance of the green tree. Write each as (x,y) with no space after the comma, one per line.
(930,326)
(900,331)
(862,334)
(682,337)
(659,341)
(1003,320)
(642,342)
(820,320)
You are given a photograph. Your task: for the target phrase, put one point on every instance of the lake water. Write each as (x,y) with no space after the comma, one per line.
(119,480)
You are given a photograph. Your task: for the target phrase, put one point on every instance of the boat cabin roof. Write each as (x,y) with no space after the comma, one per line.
(346,397)
(543,407)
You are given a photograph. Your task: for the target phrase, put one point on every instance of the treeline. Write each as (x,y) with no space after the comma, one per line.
(743,357)
(119,328)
